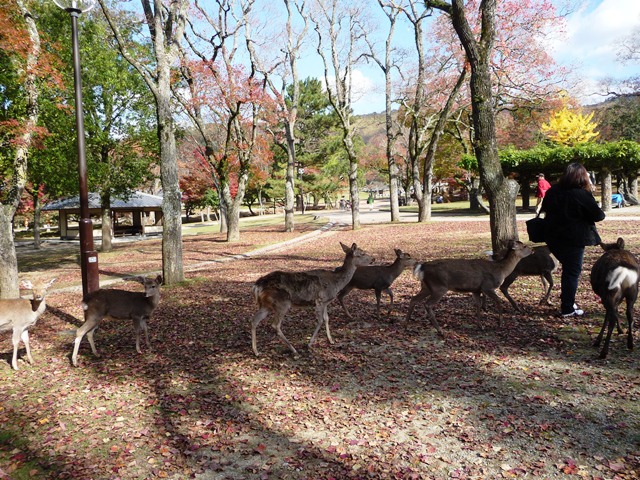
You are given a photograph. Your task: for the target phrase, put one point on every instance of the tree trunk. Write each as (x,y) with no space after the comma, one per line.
(233,223)
(430,156)
(8,260)
(353,180)
(172,266)
(502,191)
(525,183)
(37,210)
(107,227)
(605,179)
(289,186)
(424,200)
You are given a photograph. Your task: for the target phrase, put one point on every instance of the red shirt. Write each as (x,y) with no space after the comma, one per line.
(542,188)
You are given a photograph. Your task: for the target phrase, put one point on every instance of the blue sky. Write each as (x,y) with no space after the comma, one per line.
(594,31)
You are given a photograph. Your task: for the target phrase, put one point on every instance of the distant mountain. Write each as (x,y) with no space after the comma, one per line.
(618,118)
(370,126)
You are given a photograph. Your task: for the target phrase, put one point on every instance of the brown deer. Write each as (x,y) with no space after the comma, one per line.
(276,292)
(477,276)
(20,314)
(614,277)
(120,304)
(378,278)
(541,263)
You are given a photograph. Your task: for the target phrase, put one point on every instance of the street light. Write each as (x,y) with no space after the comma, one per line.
(88,256)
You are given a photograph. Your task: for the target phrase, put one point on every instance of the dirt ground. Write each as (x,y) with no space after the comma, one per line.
(389,400)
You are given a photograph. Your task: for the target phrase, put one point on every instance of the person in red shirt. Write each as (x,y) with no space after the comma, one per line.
(541,190)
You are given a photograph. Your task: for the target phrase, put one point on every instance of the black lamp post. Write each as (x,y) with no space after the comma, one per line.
(88,256)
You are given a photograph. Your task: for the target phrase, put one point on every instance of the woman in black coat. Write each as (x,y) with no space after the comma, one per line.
(570,216)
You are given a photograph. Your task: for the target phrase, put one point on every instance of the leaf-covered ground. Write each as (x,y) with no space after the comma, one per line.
(390,400)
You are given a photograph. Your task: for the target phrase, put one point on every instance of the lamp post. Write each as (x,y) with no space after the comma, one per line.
(88,256)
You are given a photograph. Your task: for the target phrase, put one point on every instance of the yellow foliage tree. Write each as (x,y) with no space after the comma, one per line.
(569,128)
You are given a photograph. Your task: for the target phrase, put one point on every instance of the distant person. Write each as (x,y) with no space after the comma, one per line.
(541,190)
(370,202)
(570,216)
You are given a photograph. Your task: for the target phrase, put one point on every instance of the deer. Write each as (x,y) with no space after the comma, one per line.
(20,314)
(478,276)
(118,304)
(614,277)
(378,278)
(276,292)
(541,262)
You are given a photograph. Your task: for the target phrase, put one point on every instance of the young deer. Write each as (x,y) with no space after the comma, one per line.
(278,291)
(378,278)
(541,263)
(120,304)
(20,314)
(614,277)
(476,276)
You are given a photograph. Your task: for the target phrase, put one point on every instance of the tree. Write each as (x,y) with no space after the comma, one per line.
(165,22)
(339,29)
(567,127)
(120,120)
(478,49)
(227,104)
(22,50)
(287,70)
(392,129)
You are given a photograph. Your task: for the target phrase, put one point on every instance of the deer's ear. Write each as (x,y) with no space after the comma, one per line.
(398,252)
(354,247)
(620,243)
(345,249)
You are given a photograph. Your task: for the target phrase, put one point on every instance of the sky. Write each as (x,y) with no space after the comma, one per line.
(593,32)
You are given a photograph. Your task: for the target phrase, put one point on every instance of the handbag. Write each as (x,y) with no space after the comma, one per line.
(536,229)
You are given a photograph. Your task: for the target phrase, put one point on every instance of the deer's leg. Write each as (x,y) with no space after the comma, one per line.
(92,342)
(140,324)
(504,288)
(612,315)
(436,295)
(478,300)
(25,339)
(277,324)
(378,296)
(87,328)
(325,314)
(390,293)
(17,335)
(341,296)
(260,315)
(630,300)
(145,329)
(421,295)
(493,296)
(601,334)
(321,316)
(547,284)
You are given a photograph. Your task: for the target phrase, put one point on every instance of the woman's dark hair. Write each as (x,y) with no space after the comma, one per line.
(575,176)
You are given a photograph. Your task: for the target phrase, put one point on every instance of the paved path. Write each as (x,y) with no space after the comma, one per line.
(381,214)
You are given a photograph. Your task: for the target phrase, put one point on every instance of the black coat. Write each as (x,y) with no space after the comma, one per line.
(570,216)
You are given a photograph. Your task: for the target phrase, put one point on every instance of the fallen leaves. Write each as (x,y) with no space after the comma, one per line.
(390,400)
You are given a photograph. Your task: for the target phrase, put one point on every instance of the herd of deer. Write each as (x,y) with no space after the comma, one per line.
(614,277)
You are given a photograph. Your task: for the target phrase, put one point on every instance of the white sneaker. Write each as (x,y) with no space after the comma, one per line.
(577,312)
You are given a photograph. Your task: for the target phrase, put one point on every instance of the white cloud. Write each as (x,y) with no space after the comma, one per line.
(594,33)
(368,95)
